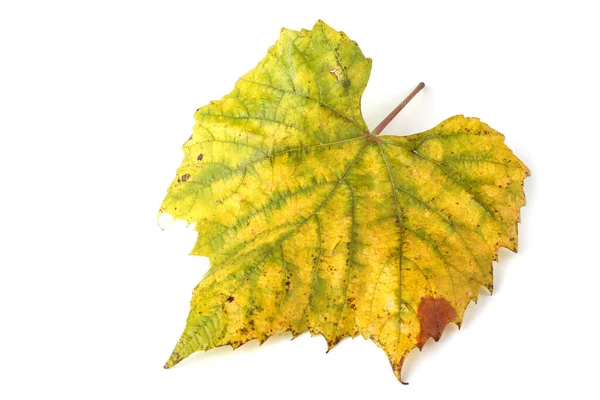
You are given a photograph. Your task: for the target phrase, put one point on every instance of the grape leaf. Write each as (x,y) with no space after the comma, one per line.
(314,223)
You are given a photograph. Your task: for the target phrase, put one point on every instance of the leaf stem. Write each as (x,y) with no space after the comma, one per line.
(396,110)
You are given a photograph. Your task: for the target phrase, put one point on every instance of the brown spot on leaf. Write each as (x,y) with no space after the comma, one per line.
(200,157)
(230,299)
(185,177)
(434,315)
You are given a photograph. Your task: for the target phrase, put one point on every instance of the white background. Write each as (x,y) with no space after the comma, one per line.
(96,99)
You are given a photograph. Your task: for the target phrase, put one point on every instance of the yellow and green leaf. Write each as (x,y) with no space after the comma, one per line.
(312,223)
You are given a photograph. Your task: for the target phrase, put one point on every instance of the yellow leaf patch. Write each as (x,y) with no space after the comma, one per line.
(313,224)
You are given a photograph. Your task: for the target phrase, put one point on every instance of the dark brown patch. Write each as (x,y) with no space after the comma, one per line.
(185,177)
(200,157)
(434,315)
(230,299)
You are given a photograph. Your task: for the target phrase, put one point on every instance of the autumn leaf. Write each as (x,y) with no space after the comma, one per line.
(313,223)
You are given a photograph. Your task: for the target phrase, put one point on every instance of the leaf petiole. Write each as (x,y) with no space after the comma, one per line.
(396,110)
